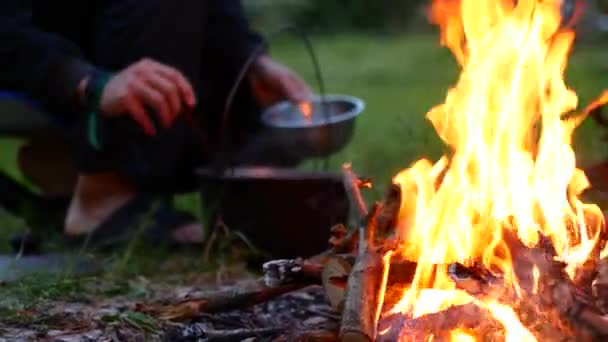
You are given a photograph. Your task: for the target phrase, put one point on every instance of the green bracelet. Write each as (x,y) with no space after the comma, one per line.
(95,88)
(93,131)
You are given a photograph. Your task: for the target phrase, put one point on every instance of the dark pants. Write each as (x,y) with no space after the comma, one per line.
(171,32)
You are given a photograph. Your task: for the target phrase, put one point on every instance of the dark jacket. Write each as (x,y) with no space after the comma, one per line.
(45,46)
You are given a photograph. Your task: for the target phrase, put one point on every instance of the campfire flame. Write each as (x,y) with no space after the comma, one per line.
(509,122)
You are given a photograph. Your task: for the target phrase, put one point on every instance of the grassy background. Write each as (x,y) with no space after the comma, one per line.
(400,78)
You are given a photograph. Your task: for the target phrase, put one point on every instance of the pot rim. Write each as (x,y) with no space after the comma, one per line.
(357,103)
(266,173)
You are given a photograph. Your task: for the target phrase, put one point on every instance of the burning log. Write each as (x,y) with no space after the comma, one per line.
(336,271)
(550,302)
(365,284)
(400,327)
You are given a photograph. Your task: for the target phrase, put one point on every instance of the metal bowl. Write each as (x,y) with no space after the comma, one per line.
(318,128)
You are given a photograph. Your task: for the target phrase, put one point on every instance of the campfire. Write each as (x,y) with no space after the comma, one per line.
(498,243)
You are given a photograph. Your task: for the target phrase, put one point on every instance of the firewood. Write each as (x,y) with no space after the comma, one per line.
(352,185)
(596,321)
(218,301)
(341,241)
(567,308)
(288,271)
(334,278)
(600,285)
(589,271)
(237,334)
(309,336)
(362,300)
(401,327)
(336,271)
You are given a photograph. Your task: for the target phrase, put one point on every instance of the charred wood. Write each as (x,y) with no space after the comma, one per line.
(289,271)
(309,336)
(353,186)
(362,300)
(218,301)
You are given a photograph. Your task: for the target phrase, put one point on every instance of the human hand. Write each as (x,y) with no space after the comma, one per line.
(145,85)
(272,82)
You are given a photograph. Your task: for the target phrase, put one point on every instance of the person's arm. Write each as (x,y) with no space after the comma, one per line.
(45,66)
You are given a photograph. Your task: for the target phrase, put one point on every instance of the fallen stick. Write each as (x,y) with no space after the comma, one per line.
(218,301)
(213,335)
(309,336)
(288,271)
(362,299)
(352,185)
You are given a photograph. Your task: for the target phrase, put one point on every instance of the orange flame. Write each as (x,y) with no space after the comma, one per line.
(460,335)
(511,167)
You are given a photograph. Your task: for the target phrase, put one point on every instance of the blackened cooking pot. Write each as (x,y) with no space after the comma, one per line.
(285,212)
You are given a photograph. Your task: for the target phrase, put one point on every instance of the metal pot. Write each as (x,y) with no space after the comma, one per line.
(314,129)
(286,212)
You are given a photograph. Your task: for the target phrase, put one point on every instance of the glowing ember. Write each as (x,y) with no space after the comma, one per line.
(461,336)
(512,167)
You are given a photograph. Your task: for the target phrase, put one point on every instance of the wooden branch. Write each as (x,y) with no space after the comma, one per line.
(309,336)
(352,185)
(341,242)
(336,271)
(362,300)
(218,301)
(289,271)
(334,278)
(237,334)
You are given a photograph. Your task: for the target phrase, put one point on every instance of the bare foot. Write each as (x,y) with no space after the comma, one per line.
(95,199)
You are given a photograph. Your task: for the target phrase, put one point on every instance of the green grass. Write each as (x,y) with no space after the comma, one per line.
(401,78)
